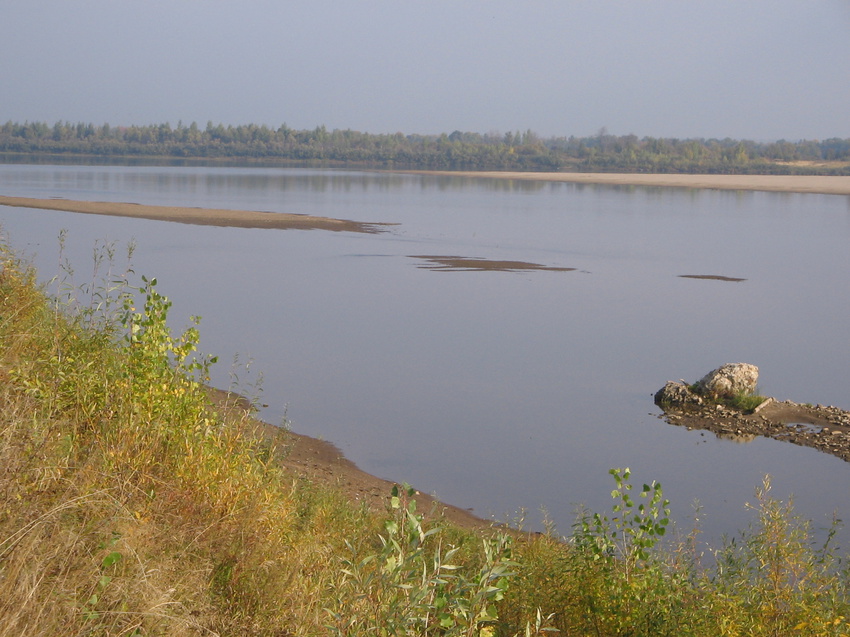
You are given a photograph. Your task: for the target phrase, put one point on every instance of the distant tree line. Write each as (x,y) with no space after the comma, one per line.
(523,151)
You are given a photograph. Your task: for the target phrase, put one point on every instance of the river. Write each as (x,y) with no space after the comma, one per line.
(496,390)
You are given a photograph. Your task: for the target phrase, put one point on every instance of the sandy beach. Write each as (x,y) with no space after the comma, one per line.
(197,216)
(771,183)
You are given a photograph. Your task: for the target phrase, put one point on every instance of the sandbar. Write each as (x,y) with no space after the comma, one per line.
(814,184)
(198,216)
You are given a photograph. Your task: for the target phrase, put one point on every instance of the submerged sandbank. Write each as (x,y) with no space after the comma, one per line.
(442,263)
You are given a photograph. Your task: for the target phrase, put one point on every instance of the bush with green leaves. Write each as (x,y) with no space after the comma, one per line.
(628,587)
(411,586)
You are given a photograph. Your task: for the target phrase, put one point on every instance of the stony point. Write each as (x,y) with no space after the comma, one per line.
(725,402)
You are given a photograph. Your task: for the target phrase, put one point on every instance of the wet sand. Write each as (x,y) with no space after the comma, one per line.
(772,183)
(198,216)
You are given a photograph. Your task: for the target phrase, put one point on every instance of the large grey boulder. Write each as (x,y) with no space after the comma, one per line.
(729,381)
(674,393)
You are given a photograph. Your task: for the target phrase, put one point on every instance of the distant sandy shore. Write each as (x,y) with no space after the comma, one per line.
(771,183)
(197,216)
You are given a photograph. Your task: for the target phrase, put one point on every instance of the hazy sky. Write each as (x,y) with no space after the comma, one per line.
(758,69)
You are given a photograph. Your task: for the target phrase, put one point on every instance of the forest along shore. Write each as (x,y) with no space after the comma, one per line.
(812,184)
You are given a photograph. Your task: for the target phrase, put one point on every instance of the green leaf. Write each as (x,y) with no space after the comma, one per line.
(112,558)
(489,614)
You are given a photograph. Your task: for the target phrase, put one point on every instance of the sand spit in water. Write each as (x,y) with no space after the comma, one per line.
(198,216)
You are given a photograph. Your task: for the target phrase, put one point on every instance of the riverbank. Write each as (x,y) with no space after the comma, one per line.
(813,184)
(321,462)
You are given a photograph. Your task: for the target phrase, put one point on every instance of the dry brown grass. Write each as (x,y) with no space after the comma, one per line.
(130,505)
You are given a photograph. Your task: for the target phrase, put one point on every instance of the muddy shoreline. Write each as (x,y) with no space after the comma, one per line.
(321,462)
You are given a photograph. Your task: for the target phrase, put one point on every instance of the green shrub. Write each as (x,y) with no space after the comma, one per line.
(412,586)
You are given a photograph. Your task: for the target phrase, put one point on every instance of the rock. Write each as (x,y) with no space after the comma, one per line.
(674,393)
(767,401)
(728,381)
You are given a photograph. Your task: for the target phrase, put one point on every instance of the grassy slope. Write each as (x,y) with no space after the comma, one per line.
(130,505)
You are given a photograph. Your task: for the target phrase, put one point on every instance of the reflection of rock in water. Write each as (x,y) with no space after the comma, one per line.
(735,437)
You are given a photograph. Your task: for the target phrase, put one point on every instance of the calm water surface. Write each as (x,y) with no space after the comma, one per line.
(498,391)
